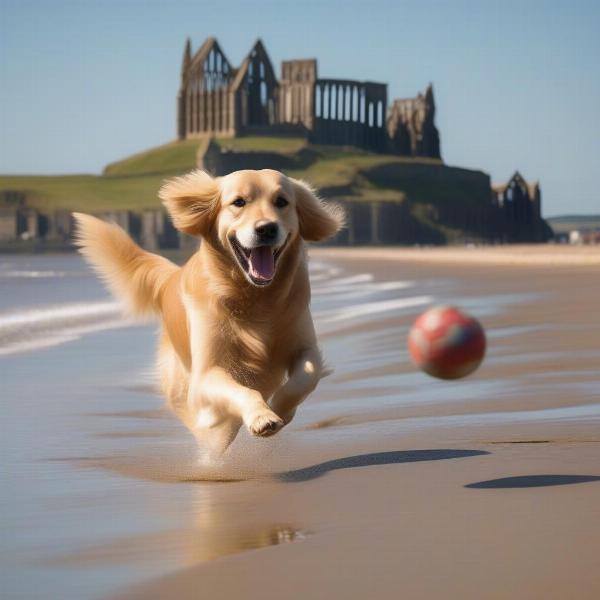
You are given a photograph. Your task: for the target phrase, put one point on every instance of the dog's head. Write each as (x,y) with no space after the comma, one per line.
(254,216)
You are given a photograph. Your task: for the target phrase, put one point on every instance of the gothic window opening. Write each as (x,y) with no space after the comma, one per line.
(318,101)
(347,98)
(362,106)
(263,93)
(333,102)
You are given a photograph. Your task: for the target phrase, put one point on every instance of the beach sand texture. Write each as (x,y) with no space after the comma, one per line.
(388,484)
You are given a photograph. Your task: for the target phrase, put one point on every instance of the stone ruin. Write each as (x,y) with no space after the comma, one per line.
(218,99)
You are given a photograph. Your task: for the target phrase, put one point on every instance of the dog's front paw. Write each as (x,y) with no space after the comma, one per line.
(265,424)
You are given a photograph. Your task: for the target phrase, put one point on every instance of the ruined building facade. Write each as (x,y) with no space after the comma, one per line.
(411,126)
(520,204)
(218,99)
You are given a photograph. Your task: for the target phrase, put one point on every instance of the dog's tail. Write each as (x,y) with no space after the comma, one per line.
(132,274)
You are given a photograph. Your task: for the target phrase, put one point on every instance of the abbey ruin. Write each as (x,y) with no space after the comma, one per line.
(218,99)
(395,189)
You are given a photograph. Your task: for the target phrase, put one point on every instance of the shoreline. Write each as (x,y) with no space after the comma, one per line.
(542,255)
(511,255)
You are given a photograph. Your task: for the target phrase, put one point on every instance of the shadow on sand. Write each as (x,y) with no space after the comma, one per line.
(376,458)
(527,481)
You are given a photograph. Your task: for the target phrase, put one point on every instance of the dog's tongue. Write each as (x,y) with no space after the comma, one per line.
(262,263)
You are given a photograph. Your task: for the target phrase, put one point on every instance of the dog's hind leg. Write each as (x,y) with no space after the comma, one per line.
(214,433)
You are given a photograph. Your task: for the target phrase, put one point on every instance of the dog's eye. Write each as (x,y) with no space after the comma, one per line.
(239,202)
(281,202)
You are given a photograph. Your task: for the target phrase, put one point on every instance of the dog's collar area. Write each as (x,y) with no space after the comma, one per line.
(258,264)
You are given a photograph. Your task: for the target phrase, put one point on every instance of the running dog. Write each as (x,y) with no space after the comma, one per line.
(238,344)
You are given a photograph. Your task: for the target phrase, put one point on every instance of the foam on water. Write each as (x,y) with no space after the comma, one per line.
(334,300)
(30,274)
(36,328)
(369,308)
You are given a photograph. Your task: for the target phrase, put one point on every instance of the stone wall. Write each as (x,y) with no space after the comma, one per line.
(219,162)
(8,225)
(372,223)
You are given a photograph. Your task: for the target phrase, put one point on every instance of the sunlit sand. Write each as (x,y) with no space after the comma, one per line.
(384,474)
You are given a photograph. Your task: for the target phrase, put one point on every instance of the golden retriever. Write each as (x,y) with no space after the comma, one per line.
(238,343)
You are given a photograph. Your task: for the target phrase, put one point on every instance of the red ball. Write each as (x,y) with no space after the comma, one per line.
(446,343)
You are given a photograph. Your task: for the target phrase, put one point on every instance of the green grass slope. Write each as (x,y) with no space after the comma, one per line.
(348,173)
(131,183)
(84,192)
(170,158)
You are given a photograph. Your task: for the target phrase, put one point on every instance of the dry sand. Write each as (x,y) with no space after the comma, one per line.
(495,495)
(511,255)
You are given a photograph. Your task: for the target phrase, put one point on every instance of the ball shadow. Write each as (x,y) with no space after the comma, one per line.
(375,458)
(529,481)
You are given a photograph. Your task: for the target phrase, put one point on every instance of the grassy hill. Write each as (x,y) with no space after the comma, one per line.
(84,192)
(133,183)
(171,158)
(428,187)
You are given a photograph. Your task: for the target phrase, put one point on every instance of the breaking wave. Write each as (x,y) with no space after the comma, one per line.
(336,298)
(36,328)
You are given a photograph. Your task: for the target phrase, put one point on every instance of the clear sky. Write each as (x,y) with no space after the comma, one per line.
(517,84)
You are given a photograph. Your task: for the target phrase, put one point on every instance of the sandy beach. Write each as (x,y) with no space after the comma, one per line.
(388,484)
(540,255)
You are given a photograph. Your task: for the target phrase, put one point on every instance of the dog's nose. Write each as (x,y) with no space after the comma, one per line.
(266,231)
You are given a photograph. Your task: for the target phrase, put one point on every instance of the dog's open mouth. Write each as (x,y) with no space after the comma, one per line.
(259,263)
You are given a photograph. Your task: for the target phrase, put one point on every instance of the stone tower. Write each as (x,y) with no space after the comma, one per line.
(181,96)
(297,92)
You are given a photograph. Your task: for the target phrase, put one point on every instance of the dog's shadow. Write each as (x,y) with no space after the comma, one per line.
(529,481)
(375,458)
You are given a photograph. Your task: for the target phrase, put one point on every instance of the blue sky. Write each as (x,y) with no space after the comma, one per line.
(517,84)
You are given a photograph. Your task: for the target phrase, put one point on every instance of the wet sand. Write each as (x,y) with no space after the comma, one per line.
(388,484)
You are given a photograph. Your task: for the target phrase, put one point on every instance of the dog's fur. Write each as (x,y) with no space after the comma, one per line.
(234,348)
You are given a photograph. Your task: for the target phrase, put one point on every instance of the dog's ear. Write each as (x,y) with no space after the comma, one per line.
(318,220)
(192,201)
